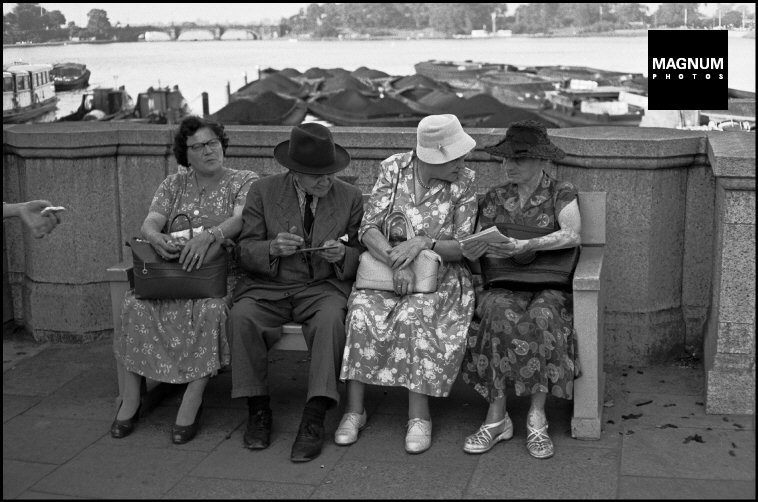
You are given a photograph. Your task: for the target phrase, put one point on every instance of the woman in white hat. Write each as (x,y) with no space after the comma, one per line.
(401,338)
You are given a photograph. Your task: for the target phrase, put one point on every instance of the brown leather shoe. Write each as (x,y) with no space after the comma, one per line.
(308,443)
(258,433)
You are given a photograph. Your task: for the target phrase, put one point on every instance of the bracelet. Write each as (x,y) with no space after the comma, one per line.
(434,243)
(210,231)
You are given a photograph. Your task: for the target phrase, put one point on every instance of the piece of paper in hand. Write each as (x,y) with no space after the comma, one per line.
(490,235)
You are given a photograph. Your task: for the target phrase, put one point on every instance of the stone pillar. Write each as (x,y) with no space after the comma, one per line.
(58,283)
(645,172)
(730,334)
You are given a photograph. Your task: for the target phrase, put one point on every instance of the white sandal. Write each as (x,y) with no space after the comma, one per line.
(482,440)
(538,443)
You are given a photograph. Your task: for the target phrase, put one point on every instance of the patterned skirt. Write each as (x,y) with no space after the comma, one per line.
(174,341)
(524,339)
(413,341)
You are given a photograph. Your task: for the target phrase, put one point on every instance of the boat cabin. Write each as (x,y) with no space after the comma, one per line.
(29,84)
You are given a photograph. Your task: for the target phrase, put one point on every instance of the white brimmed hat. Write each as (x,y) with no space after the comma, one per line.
(441,138)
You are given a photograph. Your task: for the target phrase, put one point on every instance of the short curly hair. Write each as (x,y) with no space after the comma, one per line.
(189,126)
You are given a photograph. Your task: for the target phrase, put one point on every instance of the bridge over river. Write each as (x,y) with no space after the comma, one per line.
(212,32)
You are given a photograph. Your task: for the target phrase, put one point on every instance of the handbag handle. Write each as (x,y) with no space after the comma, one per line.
(189,222)
(392,200)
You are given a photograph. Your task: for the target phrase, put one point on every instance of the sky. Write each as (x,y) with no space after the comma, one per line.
(166,13)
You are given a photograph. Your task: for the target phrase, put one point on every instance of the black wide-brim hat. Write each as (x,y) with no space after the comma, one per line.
(311,150)
(526,139)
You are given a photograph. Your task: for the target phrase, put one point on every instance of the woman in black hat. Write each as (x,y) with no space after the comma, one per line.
(523,339)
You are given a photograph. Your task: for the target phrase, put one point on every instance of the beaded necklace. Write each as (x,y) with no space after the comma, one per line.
(418,176)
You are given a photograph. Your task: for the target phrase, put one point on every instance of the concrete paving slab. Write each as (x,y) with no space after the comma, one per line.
(88,395)
(98,472)
(15,405)
(383,440)
(154,430)
(49,440)
(191,487)
(658,410)
(688,380)
(633,487)
(509,472)
(389,480)
(40,376)
(20,476)
(18,347)
(673,453)
(230,460)
(34,495)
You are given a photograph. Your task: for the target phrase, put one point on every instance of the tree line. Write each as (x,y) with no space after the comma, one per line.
(345,19)
(30,22)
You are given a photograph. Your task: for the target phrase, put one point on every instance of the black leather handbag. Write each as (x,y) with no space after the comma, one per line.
(158,279)
(532,271)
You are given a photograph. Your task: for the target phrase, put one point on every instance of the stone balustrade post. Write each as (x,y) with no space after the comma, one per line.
(730,336)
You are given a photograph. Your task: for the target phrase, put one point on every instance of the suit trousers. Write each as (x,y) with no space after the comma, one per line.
(256,327)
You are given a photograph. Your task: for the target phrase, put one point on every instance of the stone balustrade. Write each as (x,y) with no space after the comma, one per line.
(680,228)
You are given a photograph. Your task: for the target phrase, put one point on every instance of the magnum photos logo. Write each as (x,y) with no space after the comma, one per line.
(687,69)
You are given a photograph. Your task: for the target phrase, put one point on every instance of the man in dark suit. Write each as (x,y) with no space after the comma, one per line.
(284,215)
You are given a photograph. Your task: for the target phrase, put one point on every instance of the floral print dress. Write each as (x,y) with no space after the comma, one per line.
(178,341)
(523,338)
(414,341)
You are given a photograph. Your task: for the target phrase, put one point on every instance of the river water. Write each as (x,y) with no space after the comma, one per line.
(208,65)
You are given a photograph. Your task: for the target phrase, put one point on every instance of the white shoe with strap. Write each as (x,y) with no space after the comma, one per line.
(418,439)
(484,439)
(538,443)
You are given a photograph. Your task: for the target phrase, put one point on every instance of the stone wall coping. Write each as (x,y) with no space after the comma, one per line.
(732,154)
(591,147)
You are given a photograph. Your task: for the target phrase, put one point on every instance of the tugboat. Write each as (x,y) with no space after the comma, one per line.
(28,92)
(69,76)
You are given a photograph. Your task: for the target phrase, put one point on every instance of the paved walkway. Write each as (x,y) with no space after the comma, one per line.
(58,404)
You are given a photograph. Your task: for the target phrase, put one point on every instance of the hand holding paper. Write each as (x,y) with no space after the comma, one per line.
(489,235)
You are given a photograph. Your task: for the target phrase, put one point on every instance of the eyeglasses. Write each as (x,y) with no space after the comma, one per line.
(199,147)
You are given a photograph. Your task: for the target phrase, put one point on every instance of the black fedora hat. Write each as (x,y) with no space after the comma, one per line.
(311,150)
(526,139)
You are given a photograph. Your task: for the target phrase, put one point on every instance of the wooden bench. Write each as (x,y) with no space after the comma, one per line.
(588,321)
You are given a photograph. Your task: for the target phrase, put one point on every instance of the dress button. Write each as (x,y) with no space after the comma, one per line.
(196,212)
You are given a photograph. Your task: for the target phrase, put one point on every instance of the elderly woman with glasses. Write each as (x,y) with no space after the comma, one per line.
(523,339)
(183,341)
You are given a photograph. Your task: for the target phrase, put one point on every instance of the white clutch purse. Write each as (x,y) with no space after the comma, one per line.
(374,274)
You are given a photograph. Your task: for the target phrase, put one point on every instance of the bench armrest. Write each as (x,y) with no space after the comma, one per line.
(121,271)
(589,268)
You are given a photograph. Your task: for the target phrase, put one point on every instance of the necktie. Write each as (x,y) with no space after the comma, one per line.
(308,215)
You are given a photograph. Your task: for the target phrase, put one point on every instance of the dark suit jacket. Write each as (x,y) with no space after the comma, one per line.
(272,207)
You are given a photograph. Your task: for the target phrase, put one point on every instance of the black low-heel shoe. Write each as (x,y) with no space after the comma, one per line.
(181,434)
(122,428)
